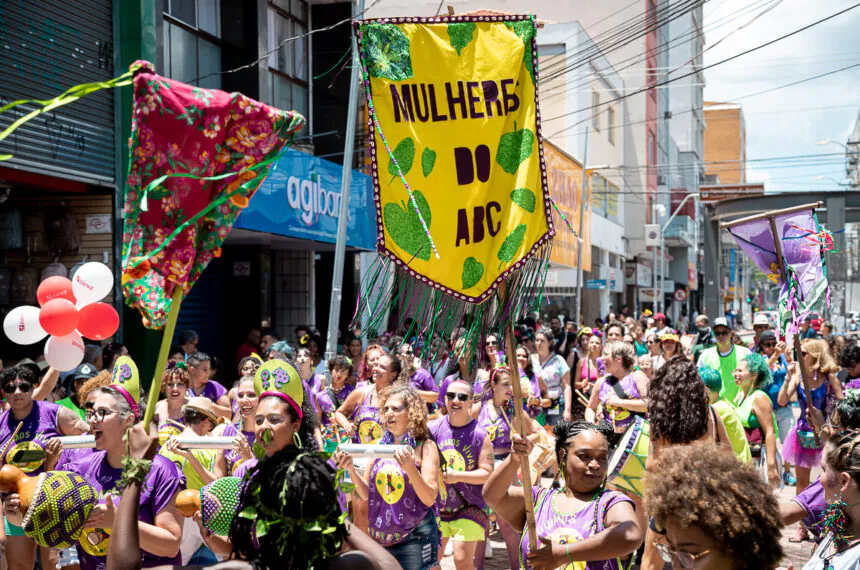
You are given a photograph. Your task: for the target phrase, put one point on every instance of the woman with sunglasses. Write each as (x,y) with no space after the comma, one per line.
(535,395)
(582,525)
(39,422)
(459,369)
(468,455)
(653,345)
(419,377)
(590,368)
(713,512)
(488,361)
(621,393)
(800,448)
(401,492)
(494,412)
(168,412)
(555,373)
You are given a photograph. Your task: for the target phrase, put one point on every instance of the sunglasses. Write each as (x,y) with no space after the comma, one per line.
(24,387)
(455,396)
(687,560)
(195,416)
(721,332)
(768,344)
(492,343)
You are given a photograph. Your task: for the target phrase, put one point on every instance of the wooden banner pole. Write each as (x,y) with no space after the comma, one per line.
(163,353)
(519,420)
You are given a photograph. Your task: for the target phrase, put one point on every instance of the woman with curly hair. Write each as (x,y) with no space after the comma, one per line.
(401,491)
(752,376)
(678,408)
(581,525)
(715,513)
(800,448)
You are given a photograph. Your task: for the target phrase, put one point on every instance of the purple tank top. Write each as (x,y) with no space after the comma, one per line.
(498,430)
(328,406)
(530,388)
(230,456)
(568,528)
(461,448)
(619,417)
(819,400)
(367,418)
(37,428)
(394,508)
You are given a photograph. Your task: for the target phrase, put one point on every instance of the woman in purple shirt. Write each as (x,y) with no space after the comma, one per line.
(468,458)
(39,421)
(115,409)
(401,492)
(582,522)
(242,431)
(304,360)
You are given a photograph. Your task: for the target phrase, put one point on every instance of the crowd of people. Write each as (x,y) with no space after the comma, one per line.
(663,448)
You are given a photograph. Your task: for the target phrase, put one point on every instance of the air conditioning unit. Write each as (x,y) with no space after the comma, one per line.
(661,180)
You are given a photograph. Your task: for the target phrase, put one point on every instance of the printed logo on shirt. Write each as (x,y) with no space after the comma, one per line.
(389,483)
(563,535)
(369,431)
(454,459)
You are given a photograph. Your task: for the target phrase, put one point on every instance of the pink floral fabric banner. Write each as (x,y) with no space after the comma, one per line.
(196,157)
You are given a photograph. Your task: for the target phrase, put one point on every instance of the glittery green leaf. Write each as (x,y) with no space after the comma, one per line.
(405,155)
(461,33)
(387,52)
(525,29)
(473,270)
(525,199)
(512,244)
(262,528)
(404,225)
(428,161)
(514,148)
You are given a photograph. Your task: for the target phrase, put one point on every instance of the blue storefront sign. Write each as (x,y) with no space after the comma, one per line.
(595,284)
(301,199)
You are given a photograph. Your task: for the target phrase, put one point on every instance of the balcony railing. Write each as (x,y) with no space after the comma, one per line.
(681,232)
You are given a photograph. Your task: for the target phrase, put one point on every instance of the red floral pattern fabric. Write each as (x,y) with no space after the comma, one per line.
(173,230)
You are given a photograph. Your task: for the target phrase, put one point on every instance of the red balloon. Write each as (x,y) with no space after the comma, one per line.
(58,317)
(55,288)
(98,321)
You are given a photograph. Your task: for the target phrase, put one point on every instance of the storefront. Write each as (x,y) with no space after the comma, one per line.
(57,205)
(276,267)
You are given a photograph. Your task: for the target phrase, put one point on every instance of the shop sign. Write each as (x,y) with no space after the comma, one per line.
(301,199)
(644,276)
(692,276)
(595,284)
(564,180)
(98,224)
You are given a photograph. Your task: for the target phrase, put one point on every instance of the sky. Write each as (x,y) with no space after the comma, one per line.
(789,121)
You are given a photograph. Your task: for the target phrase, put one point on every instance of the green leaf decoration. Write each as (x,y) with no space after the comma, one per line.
(248,513)
(262,528)
(525,29)
(387,52)
(404,225)
(461,33)
(428,161)
(512,244)
(514,148)
(473,270)
(525,199)
(405,155)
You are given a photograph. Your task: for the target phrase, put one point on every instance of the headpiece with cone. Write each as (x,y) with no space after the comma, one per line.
(125,379)
(281,379)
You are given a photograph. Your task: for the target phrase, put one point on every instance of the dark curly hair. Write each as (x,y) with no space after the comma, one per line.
(23,373)
(677,403)
(304,484)
(846,413)
(849,356)
(728,501)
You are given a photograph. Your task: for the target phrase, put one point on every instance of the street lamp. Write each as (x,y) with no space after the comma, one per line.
(854,154)
(831,179)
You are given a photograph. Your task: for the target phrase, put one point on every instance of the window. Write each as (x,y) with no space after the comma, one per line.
(288,60)
(191,48)
(652,149)
(595,105)
(610,124)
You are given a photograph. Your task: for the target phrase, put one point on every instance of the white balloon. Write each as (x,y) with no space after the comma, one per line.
(92,282)
(65,352)
(21,325)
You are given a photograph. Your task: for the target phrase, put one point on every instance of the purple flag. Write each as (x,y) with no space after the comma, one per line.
(806,273)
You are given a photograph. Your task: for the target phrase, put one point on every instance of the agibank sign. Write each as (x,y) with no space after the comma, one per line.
(301,199)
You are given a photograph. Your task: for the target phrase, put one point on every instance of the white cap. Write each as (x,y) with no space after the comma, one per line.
(760,319)
(720,322)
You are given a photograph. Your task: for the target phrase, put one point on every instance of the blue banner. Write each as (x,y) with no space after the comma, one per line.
(301,199)
(595,284)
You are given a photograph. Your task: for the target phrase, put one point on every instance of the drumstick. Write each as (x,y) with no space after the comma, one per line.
(581,397)
(8,443)
(176,424)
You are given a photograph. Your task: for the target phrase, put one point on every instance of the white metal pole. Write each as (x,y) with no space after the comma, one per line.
(583,193)
(343,214)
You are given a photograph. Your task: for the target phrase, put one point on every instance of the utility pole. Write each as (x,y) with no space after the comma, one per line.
(582,196)
(343,214)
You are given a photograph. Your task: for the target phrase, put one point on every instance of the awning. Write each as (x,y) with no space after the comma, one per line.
(301,199)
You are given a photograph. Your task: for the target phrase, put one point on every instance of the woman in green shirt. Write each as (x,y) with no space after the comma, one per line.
(734,428)
(756,412)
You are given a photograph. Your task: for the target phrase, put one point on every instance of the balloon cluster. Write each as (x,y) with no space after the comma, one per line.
(68,311)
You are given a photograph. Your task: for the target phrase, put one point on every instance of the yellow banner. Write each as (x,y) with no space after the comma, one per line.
(565,182)
(456,155)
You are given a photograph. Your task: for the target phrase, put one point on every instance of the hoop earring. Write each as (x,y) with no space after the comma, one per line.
(296,440)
